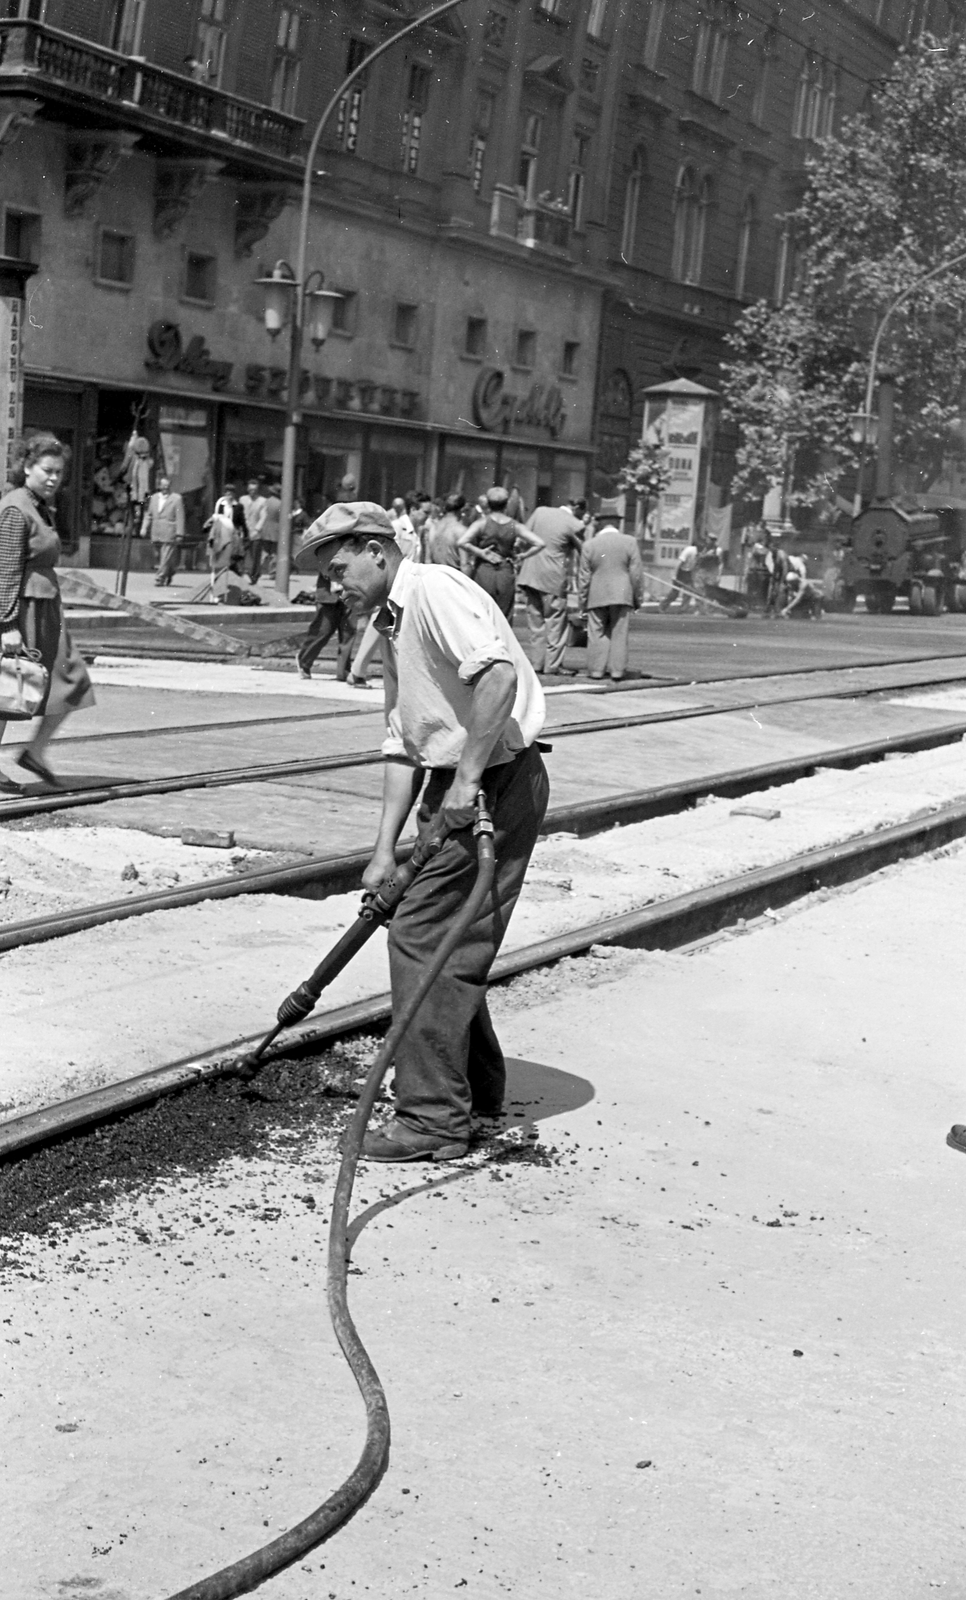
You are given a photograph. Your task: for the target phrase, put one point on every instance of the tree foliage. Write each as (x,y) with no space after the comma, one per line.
(646,473)
(884,204)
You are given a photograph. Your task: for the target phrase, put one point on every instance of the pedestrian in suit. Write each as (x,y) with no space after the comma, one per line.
(543,579)
(163,524)
(611,582)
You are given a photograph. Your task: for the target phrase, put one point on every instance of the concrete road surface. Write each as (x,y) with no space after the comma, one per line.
(713,1348)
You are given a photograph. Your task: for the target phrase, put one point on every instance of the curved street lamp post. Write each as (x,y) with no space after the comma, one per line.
(864,421)
(294,297)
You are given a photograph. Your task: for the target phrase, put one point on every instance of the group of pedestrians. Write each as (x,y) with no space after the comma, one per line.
(559,558)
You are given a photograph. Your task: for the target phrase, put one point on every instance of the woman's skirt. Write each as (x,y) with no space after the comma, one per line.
(43,628)
(499,583)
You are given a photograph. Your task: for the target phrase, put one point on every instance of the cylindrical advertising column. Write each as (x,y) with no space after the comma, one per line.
(676,420)
(13,280)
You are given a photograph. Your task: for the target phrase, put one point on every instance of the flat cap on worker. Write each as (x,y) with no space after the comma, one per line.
(356,519)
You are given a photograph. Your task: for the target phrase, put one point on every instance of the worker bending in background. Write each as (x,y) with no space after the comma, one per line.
(464,710)
(611,582)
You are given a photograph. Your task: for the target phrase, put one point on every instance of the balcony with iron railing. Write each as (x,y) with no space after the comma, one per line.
(95,86)
(544,225)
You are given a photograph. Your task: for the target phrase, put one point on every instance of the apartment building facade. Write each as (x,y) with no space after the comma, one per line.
(719,106)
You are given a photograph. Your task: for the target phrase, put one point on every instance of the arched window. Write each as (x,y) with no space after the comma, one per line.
(746,240)
(632,206)
(685,204)
(699,231)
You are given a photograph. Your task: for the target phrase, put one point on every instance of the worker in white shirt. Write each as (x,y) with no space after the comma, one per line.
(464,711)
(255,507)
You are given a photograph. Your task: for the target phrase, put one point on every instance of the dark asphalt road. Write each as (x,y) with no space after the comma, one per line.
(672,645)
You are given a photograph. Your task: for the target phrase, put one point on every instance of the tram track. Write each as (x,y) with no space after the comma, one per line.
(320,876)
(82,796)
(669,924)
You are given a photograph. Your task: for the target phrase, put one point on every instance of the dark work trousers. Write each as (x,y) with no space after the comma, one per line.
(450,1062)
(256,554)
(329,618)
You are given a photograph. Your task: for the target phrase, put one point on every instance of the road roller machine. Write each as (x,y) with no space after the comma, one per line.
(892,551)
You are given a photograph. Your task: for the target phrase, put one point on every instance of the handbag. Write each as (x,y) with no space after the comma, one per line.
(23,685)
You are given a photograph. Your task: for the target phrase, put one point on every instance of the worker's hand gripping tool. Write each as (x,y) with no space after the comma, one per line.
(378,906)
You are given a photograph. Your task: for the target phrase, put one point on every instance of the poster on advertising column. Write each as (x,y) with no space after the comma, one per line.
(681,427)
(11,379)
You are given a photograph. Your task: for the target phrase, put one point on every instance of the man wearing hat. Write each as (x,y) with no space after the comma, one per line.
(611,581)
(464,710)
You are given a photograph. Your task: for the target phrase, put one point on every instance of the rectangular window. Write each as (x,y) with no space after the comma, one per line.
(568,364)
(210,39)
(596,18)
(404,324)
(578,176)
(128,27)
(200,278)
(529,152)
(589,75)
(115,257)
(485,102)
(350,106)
(417,95)
(285,77)
(655,28)
(21,234)
(475,336)
(525,353)
(344,312)
(711,54)
(761,91)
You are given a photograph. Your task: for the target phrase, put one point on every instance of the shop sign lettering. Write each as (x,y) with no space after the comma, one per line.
(498,411)
(167,353)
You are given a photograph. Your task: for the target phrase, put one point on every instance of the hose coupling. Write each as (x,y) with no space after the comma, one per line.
(297,1005)
(484,822)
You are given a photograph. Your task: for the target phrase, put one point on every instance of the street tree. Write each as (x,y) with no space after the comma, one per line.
(884,204)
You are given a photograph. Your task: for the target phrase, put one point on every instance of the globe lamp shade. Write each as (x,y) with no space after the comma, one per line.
(278,290)
(320,307)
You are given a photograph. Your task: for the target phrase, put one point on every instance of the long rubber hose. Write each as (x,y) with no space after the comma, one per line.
(244,1575)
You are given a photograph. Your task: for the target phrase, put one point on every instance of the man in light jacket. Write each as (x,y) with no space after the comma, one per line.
(611,582)
(164,525)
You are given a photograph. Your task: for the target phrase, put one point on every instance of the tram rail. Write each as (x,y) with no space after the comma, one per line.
(669,924)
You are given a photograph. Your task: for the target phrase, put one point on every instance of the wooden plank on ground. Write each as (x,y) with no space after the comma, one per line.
(78,588)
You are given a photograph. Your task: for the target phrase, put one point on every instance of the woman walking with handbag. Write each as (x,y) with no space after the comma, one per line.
(31,615)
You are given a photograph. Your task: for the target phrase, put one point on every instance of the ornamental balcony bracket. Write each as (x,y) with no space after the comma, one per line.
(91,159)
(177,184)
(15,115)
(257,206)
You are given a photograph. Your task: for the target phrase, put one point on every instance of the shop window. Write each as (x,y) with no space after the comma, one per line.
(414,112)
(115,258)
(200,278)
(568,361)
(345,312)
(285,77)
(525,350)
(210,39)
(350,106)
(404,322)
(475,337)
(21,234)
(655,29)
